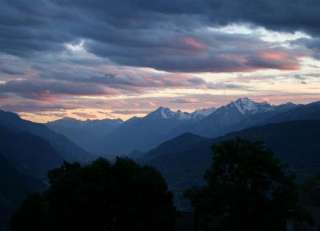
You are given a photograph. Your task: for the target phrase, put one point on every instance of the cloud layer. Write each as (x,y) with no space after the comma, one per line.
(167,35)
(62,51)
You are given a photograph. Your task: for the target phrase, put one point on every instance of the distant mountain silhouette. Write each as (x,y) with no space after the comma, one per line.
(89,135)
(66,149)
(27,151)
(237,115)
(14,184)
(136,135)
(115,137)
(30,154)
(303,112)
(142,134)
(184,160)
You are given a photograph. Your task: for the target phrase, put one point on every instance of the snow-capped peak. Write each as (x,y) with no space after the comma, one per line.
(245,105)
(167,113)
(202,113)
(183,115)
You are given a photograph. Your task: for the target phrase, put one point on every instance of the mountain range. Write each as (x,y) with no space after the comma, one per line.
(175,142)
(136,135)
(27,152)
(296,130)
(89,135)
(67,149)
(184,160)
(116,137)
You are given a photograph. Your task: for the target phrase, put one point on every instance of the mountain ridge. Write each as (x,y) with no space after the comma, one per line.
(140,134)
(296,143)
(88,134)
(67,149)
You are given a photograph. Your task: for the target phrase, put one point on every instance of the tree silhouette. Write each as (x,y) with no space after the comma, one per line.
(311,191)
(100,196)
(247,189)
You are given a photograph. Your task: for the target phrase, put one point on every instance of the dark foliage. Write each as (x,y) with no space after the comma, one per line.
(247,189)
(100,196)
(311,191)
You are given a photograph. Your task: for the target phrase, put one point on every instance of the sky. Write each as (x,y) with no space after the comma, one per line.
(95,59)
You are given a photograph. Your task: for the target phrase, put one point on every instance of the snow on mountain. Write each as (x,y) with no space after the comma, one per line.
(166,113)
(183,115)
(147,132)
(243,105)
(202,113)
(247,106)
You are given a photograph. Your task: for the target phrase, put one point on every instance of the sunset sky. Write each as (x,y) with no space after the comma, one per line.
(94,59)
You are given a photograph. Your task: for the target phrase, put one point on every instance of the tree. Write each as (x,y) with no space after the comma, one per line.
(247,189)
(311,191)
(100,196)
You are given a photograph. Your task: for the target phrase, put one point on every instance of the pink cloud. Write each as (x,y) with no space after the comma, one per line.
(193,43)
(280,59)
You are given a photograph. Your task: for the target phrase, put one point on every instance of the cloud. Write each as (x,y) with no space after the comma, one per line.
(37,107)
(47,90)
(165,35)
(131,112)
(278,15)
(128,82)
(199,51)
(56,84)
(68,53)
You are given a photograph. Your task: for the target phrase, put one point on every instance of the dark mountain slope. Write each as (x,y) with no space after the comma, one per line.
(303,112)
(89,134)
(181,160)
(68,150)
(14,187)
(296,143)
(142,134)
(238,115)
(180,143)
(30,154)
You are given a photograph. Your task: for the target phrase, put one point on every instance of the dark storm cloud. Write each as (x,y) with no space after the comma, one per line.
(11,70)
(26,27)
(10,65)
(159,34)
(313,45)
(282,14)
